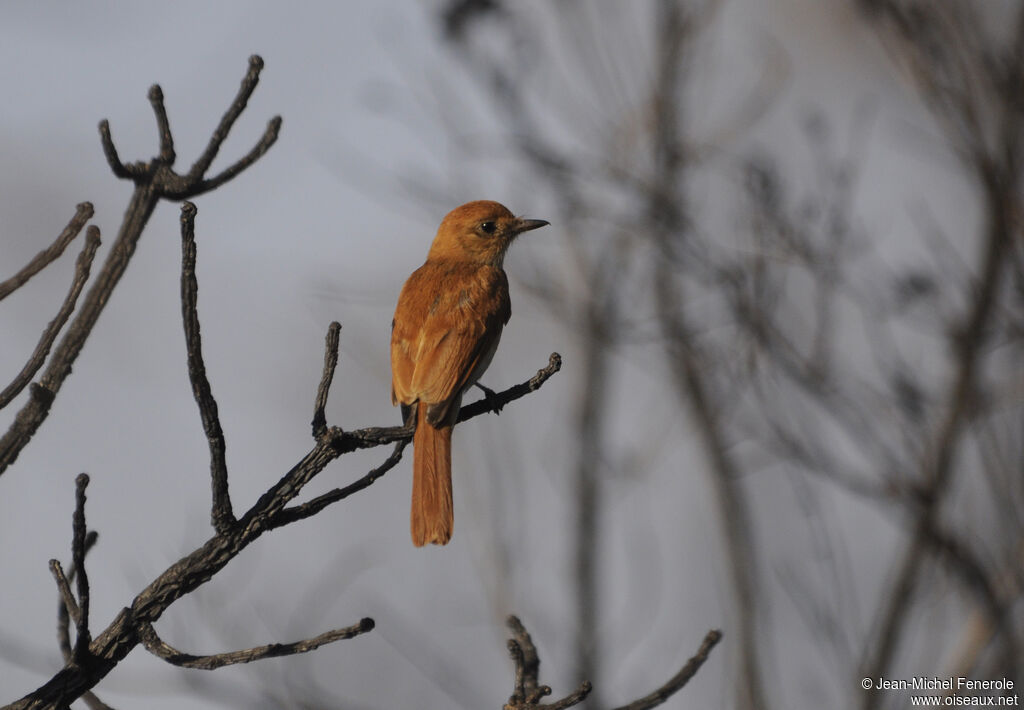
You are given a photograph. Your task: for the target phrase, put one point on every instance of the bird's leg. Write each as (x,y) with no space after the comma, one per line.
(409,417)
(492,398)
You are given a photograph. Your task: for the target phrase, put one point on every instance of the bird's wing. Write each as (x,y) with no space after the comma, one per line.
(440,348)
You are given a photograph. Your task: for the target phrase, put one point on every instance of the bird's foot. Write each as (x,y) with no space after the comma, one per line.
(493,401)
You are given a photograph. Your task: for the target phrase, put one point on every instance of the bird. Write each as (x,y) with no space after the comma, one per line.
(446,328)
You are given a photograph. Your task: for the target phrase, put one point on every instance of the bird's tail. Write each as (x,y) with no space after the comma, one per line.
(432,512)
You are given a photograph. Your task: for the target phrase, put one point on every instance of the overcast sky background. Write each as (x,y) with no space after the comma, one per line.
(319,230)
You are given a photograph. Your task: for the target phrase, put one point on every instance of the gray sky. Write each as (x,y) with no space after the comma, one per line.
(317,231)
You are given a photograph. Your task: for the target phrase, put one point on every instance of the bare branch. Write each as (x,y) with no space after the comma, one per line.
(249,82)
(158,647)
(268,139)
(681,678)
(119,169)
(69,604)
(163,124)
(153,181)
(38,357)
(330,363)
(500,399)
(83,213)
(78,549)
(221,514)
(314,506)
(63,633)
(527,692)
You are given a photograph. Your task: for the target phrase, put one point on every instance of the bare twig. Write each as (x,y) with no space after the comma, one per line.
(78,549)
(500,399)
(681,678)
(63,619)
(195,569)
(41,260)
(68,602)
(38,357)
(527,691)
(154,181)
(119,169)
(330,363)
(314,506)
(158,647)
(163,125)
(220,134)
(221,513)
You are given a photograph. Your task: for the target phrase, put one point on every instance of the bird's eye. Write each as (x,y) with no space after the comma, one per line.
(488,227)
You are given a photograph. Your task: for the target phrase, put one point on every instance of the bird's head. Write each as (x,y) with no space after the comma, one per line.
(480,232)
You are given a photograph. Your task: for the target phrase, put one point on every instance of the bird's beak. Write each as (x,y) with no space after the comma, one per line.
(525,225)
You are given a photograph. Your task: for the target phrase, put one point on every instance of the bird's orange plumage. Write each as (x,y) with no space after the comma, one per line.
(446,328)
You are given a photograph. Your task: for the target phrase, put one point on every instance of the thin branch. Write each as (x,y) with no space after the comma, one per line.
(524,653)
(120,170)
(500,399)
(153,181)
(38,357)
(78,548)
(268,139)
(69,605)
(221,514)
(158,647)
(330,363)
(200,566)
(249,82)
(681,678)
(63,632)
(314,506)
(163,124)
(83,213)
(527,692)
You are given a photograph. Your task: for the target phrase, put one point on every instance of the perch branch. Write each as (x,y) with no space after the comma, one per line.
(400,436)
(200,566)
(47,256)
(221,514)
(158,647)
(38,357)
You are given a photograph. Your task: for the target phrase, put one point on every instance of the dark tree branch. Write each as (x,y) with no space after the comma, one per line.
(163,125)
(63,619)
(38,357)
(268,139)
(195,569)
(83,213)
(158,647)
(314,506)
(500,399)
(220,134)
(681,678)
(527,690)
(154,181)
(68,603)
(78,549)
(119,169)
(330,363)
(221,513)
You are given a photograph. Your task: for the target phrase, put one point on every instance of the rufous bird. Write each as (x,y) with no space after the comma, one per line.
(446,328)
